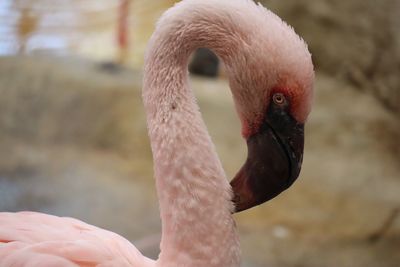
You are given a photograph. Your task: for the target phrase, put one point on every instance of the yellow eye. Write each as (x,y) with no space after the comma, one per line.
(279,99)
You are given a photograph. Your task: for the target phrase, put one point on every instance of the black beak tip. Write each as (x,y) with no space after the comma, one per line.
(272,166)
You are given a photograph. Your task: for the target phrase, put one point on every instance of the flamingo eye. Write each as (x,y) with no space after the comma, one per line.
(279,99)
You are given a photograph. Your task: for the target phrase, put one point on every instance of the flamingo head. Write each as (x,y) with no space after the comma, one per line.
(272,84)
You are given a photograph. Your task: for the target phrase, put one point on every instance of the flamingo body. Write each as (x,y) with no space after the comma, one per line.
(35,239)
(271,78)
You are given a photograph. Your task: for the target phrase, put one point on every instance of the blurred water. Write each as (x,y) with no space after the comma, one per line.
(60,25)
(85,27)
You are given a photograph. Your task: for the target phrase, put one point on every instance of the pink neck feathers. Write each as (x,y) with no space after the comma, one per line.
(194,194)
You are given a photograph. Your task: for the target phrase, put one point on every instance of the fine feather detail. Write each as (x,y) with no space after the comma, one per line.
(36,239)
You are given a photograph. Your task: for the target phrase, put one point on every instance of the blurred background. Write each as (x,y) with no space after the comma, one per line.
(73,138)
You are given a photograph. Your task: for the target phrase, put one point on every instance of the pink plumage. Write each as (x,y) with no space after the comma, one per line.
(35,239)
(263,56)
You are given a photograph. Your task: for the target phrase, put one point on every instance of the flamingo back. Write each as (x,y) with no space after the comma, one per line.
(34,239)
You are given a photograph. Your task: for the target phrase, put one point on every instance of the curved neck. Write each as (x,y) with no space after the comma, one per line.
(194,194)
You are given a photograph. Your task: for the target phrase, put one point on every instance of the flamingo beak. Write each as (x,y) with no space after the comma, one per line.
(275,155)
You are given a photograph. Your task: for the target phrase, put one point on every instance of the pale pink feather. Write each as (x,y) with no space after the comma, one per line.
(36,239)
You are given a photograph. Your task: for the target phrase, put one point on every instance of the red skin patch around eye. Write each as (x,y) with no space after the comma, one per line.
(251,128)
(292,97)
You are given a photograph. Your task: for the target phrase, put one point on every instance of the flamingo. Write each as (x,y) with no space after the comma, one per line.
(271,77)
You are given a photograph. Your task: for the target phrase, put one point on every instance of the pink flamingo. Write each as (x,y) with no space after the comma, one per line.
(271,78)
